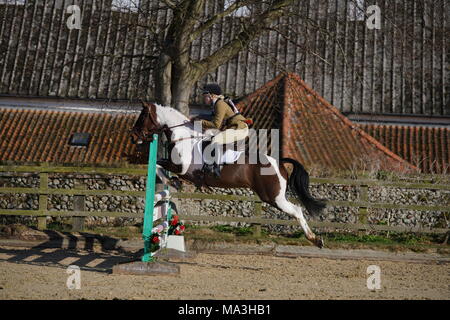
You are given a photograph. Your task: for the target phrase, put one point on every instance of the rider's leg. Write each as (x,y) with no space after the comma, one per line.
(213,152)
(228,136)
(209,157)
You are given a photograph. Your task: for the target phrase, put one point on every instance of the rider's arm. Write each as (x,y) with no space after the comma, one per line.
(219,115)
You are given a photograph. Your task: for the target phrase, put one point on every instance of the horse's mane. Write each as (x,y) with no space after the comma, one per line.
(171,116)
(172,111)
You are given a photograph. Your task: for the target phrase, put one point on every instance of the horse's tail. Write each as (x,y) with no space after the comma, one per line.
(299,182)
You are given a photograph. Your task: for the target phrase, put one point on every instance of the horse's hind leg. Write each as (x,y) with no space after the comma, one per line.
(280,202)
(277,198)
(284,205)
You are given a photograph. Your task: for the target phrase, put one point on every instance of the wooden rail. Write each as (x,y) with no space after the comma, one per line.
(79,193)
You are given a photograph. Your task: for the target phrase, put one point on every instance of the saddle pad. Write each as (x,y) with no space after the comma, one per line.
(229,156)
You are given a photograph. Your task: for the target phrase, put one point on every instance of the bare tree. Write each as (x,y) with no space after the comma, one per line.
(176,71)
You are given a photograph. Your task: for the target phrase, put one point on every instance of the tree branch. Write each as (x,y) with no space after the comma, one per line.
(251,31)
(171,4)
(182,25)
(214,19)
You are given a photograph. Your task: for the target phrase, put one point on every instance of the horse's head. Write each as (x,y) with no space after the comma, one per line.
(146,125)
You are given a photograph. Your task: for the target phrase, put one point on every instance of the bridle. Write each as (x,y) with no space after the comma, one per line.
(163,129)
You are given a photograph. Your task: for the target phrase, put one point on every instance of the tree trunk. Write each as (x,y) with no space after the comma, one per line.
(173,83)
(182,83)
(163,79)
(181,91)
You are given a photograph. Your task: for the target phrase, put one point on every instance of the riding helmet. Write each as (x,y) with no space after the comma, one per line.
(213,88)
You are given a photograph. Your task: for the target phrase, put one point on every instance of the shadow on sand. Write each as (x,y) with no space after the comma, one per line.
(89,252)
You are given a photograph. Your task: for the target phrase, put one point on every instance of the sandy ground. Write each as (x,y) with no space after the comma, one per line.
(41,274)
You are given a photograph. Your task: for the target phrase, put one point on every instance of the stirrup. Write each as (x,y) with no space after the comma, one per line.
(207,168)
(213,169)
(216,170)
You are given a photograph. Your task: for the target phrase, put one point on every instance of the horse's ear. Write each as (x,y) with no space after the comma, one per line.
(144,104)
(152,111)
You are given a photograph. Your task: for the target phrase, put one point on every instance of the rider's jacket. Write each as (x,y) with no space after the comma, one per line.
(224,118)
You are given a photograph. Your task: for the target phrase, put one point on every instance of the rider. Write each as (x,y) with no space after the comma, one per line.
(226,118)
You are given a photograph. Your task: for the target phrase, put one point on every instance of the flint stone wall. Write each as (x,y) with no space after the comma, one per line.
(231,208)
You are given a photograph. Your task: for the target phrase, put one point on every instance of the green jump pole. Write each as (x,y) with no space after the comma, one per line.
(150,199)
(166,187)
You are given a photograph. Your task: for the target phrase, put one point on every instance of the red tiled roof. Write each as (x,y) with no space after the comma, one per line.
(264,107)
(426,147)
(43,136)
(313,131)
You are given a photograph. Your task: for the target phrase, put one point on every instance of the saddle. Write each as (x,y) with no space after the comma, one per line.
(227,151)
(212,163)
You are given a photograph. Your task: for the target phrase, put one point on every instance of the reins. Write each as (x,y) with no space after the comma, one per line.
(166,128)
(179,125)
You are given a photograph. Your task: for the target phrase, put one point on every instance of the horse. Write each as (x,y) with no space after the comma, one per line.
(271,188)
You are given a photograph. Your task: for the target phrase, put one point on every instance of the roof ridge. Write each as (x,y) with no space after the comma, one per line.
(53,111)
(404,125)
(265,87)
(347,122)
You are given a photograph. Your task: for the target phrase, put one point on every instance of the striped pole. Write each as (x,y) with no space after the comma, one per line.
(149,200)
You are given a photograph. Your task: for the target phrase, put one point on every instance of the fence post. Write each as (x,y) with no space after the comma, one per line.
(43,200)
(79,204)
(363,197)
(258,214)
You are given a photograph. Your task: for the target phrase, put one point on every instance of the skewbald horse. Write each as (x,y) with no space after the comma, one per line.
(271,188)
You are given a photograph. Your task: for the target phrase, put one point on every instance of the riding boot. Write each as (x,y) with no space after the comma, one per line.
(216,170)
(213,168)
(207,168)
(215,165)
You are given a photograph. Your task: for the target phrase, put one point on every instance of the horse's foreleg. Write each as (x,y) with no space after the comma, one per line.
(168,165)
(172,181)
(162,175)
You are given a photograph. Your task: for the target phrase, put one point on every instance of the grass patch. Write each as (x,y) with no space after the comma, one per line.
(238,231)
(59,226)
(366,238)
(127,232)
(388,240)
(220,233)
(380,241)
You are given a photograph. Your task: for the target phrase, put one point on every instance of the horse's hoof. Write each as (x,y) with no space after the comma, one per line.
(319,243)
(176,183)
